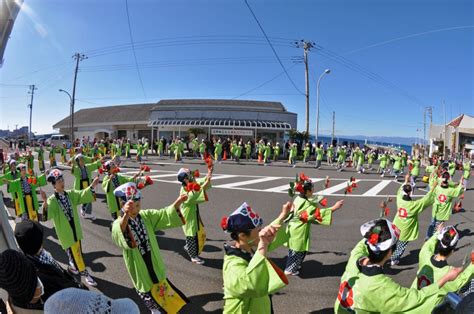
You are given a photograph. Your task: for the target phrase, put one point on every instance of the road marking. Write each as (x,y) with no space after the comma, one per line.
(285,187)
(248,182)
(376,189)
(337,187)
(224,176)
(156,176)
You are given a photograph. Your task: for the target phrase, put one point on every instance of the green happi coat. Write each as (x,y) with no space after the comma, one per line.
(238,151)
(16,187)
(63,228)
(344,300)
(383,161)
(76,171)
(248,150)
(330,153)
(397,164)
(108,186)
(267,152)
(276,152)
(374,292)
(341,158)
(189,209)
(415,171)
(371,157)
(306,153)
(139,150)
(127,150)
(431,270)
(443,201)
(202,148)
(10,176)
(41,159)
(217,150)
(154,220)
(293,152)
(250,280)
(319,153)
(299,231)
(452,168)
(406,218)
(466,166)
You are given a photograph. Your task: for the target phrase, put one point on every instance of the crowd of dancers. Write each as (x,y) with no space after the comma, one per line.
(249,276)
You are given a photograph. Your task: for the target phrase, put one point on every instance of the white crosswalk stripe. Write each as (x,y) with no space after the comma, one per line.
(284,188)
(377,188)
(236,184)
(335,188)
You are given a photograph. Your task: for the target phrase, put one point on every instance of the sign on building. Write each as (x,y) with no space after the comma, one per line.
(232,132)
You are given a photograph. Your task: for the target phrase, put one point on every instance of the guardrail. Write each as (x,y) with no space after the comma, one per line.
(6,229)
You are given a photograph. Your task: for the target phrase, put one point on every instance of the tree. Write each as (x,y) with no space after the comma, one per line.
(297,136)
(196,131)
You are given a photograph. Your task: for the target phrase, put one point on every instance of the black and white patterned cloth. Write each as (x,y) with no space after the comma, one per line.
(432,228)
(294,261)
(191,247)
(399,250)
(467,289)
(65,205)
(83,173)
(72,262)
(150,302)
(139,233)
(115,181)
(25,186)
(47,259)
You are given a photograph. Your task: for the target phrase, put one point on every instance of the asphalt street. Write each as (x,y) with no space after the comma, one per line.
(264,189)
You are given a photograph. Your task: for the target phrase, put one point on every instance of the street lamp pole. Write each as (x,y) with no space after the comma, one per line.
(71,113)
(327,71)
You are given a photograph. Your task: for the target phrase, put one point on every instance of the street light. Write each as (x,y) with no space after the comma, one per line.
(71,114)
(327,71)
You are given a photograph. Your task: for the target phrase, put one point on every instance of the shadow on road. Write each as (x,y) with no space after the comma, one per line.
(199,301)
(411,258)
(328,310)
(116,291)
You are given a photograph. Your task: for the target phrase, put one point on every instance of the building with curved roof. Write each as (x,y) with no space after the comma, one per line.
(175,117)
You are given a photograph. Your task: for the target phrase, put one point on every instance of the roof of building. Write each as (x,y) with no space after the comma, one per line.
(122,113)
(141,112)
(220,104)
(463,121)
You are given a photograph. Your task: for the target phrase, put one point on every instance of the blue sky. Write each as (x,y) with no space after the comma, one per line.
(214,49)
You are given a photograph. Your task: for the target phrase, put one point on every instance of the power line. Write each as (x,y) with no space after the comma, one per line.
(409,36)
(133,49)
(264,83)
(187,40)
(368,74)
(273,49)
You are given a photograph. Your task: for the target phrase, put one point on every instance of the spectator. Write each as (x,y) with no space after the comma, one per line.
(18,277)
(29,236)
(73,300)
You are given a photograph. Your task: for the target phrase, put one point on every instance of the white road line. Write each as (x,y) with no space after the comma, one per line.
(248,182)
(337,187)
(377,188)
(285,187)
(156,176)
(223,176)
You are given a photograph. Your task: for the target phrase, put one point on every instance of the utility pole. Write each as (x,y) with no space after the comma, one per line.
(428,110)
(32,92)
(445,142)
(333,126)
(78,57)
(306,47)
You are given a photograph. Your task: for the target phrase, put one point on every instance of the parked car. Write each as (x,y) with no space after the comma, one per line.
(58,140)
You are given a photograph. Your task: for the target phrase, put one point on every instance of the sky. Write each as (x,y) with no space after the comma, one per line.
(388,59)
